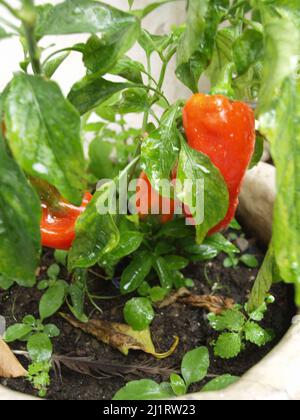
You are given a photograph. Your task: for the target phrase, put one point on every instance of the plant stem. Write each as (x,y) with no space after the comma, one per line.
(28,17)
(14,12)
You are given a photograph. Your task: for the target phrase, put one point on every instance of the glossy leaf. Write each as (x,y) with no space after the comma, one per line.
(77,291)
(129,69)
(283,122)
(195,365)
(20,215)
(96,234)
(161,148)
(16,332)
(220,383)
(134,275)
(178,385)
(52,65)
(196,45)
(39,347)
(132,101)
(138,313)
(38,132)
(6,282)
(228,345)
(213,194)
(164,273)
(281,45)
(102,53)
(248,49)
(130,241)
(268,274)
(83,16)
(145,389)
(92,91)
(52,300)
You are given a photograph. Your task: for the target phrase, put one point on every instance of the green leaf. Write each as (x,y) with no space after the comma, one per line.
(130,241)
(161,148)
(6,282)
(201,184)
(198,252)
(195,365)
(178,385)
(92,91)
(129,69)
(268,274)
(133,100)
(196,45)
(39,347)
(142,390)
(4,34)
(136,272)
(283,122)
(222,244)
(249,260)
(84,16)
(53,271)
(228,346)
(38,132)
(52,65)
(176,228)
(257,335)
(157,294)
(77,291)
(151,8)
(281,40)
(51,330)
(231,320)
(247,50)
(52,300)
(96,233)
(101,164)
(139,313)
(258,152)
(16,332)
(175,262)
(61,257)
(102,53)
(20,214)
(220,383)
(164,273)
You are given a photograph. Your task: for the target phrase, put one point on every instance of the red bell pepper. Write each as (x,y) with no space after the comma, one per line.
(223,130)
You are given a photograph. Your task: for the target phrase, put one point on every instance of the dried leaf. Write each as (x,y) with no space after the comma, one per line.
(106,368)
(173,298)
(215,304)
(10,367)
(120,336)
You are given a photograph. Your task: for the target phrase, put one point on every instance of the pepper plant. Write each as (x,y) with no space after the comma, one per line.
(248,49)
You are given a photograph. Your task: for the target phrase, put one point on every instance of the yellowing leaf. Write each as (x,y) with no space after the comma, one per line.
(9,364)
(121,336)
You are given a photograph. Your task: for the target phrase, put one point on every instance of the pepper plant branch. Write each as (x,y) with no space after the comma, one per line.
(28,17)
(12,11)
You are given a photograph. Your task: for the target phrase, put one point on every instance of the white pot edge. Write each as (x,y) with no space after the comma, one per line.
(277,376)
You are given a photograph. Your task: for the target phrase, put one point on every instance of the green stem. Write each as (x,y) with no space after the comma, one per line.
(9,25)
(14,12)
(234,8)
(28,17)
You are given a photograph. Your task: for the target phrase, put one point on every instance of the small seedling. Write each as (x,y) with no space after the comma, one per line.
(39,346)
(194,369)
(238,326)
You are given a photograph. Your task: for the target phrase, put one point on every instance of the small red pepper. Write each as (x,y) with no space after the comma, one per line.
(58,226)
(148,198)
(224,131)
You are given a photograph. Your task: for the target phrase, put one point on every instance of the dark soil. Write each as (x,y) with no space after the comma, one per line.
(188,323)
